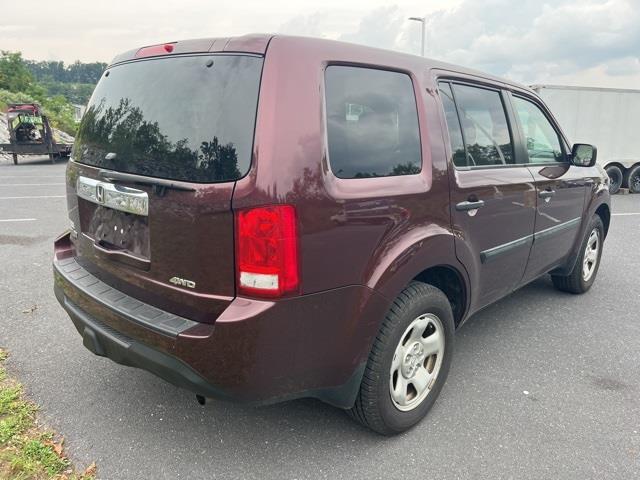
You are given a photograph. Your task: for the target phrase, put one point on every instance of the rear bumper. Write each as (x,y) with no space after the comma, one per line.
(104,341)
(257,351)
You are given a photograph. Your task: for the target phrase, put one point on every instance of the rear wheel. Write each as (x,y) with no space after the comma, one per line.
(632,179)
(615,178)
(584,271)
(409,361)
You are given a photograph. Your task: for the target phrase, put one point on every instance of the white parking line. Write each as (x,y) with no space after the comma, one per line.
(18,220)
(625,214)
(30,184)
(35,196)
(31,176)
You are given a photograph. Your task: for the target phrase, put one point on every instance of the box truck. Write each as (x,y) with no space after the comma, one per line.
(608,118)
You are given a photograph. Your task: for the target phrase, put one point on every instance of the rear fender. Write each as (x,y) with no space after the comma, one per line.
(419,249)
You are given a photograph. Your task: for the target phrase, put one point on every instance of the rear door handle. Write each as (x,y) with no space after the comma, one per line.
(465,206)
(547,193)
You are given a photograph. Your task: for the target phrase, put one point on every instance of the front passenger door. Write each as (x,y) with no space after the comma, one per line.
(561,189)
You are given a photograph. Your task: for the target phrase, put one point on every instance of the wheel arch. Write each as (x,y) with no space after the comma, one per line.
(604,212)
(450,280)
(599,206)
(430,259)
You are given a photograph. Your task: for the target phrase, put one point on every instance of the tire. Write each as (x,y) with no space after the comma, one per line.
(577,281)
(15,158)
(615,178)
(417,305)
(632,179)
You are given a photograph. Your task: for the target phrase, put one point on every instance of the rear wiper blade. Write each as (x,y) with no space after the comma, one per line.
(160,183)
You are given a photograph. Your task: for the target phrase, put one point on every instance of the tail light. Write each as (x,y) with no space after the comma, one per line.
(267,251)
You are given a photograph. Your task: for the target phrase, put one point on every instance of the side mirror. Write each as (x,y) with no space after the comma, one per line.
(584,155)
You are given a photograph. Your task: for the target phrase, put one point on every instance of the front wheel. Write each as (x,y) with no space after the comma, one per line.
(584,271)
(408,363)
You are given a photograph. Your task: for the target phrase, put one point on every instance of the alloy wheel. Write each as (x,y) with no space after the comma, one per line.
(416,362)
(590,261)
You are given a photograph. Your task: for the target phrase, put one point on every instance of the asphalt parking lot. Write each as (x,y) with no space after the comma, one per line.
(543,384)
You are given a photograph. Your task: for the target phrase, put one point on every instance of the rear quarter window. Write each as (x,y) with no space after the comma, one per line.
(372,123)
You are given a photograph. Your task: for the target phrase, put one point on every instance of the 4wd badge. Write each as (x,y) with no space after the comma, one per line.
(181,282)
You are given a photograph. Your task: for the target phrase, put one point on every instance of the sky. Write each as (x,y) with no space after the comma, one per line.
(573,42)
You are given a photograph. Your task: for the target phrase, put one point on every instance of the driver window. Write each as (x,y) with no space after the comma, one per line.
(543,143)
(484,126)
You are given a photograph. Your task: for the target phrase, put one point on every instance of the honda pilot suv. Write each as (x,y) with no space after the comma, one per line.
(264,218)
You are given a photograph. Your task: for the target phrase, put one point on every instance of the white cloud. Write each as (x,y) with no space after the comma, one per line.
(585,41)
(13,29)
(623,66)
(380,28)
(530,41)
(322,24)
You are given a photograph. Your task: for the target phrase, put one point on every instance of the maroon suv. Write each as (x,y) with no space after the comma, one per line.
(264,218)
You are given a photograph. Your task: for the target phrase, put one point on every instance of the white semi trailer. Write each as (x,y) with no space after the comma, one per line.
(608,118)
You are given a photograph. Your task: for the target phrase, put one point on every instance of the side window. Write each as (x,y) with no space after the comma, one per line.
(484,126)
(372,123)
(543,142)
(453,125)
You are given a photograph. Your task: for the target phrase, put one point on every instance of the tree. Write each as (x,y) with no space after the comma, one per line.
(77,72)
(14,74)
(141,143)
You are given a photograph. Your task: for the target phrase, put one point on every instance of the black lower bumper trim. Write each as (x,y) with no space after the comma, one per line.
(104,341)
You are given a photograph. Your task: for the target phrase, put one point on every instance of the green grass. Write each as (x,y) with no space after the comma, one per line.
(16,415)
(37,456)
(28,452)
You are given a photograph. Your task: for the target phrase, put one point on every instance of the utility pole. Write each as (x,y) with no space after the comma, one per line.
(423,21)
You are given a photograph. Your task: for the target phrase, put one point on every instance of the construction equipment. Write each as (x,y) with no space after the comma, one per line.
(31,134)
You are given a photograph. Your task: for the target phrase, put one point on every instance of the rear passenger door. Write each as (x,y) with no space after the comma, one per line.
(492,194)
(561,186)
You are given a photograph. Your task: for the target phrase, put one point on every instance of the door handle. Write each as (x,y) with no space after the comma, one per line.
(466,206)
(548,193)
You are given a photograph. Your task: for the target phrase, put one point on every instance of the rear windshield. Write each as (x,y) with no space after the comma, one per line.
(181,118)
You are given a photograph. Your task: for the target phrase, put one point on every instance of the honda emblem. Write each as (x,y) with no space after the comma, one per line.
(100,193)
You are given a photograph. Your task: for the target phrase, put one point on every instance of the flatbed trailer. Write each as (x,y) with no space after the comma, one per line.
(31,134)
